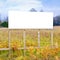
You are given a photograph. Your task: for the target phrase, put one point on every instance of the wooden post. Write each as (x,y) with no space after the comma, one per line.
(52,39)
(38,39)
(24,37)
(9,37)
(9,43)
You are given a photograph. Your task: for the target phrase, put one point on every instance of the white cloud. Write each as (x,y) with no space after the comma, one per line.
(24,5)
(21,4)
(1,4)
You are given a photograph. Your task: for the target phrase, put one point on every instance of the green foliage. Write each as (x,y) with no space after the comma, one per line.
(4,24)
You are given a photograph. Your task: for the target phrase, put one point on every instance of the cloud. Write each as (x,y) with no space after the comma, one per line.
(21,5)
(54,10)
(1,4)
(26,5)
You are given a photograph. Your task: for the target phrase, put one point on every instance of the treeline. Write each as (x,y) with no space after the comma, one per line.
(4,23)
(56,21)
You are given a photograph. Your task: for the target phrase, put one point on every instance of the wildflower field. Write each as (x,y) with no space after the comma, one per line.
(32,44)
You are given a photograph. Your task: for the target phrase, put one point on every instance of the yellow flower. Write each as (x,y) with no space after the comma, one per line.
(20,58)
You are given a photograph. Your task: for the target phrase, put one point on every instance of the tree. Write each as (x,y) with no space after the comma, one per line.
(4,24)
(56,21)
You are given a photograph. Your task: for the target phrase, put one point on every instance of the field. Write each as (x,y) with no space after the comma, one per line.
(30,44)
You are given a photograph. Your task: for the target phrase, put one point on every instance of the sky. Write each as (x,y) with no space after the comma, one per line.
(26,5)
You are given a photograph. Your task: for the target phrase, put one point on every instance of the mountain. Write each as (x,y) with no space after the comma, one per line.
(33,10)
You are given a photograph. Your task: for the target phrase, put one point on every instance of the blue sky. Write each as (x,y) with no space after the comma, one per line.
(26,5)
(52,5)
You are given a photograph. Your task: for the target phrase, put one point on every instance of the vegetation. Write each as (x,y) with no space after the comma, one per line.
(56,21)
(4,24)
(31,49)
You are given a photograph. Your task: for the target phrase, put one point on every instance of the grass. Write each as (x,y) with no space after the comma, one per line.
(4,55)
(31,41)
